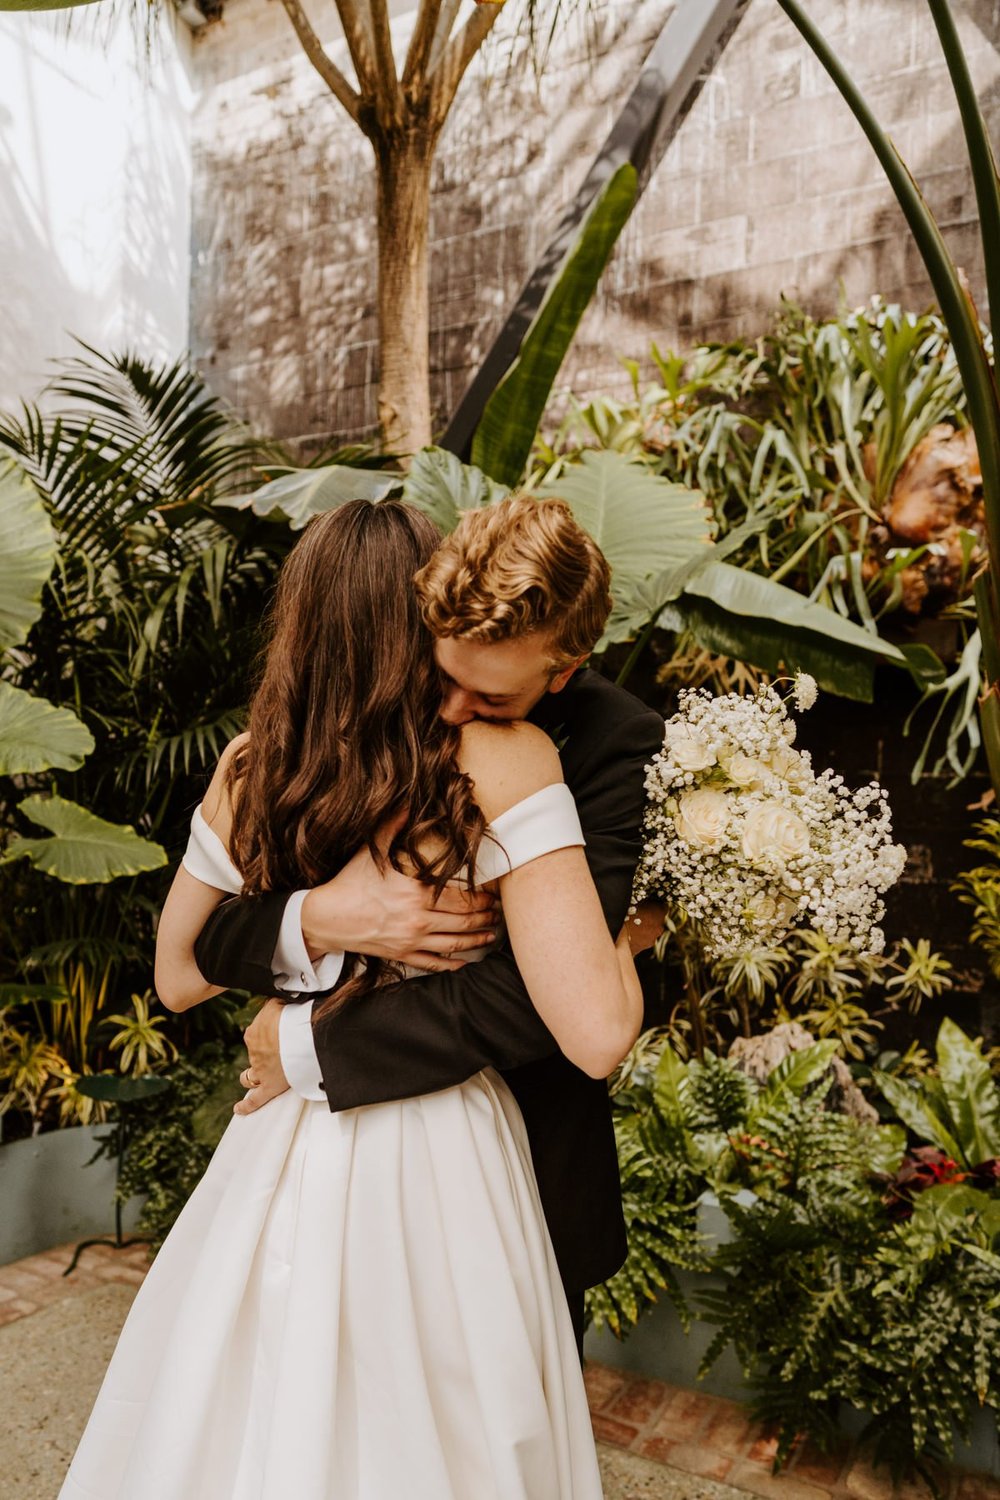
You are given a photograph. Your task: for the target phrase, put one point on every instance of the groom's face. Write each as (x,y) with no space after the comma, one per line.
(496,679)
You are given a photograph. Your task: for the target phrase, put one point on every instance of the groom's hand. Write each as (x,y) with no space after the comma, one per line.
(379,912)
(264,1077)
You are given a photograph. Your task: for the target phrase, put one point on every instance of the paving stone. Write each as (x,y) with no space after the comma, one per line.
(685,1416)
(640,1402)
(607,1430)
(603,1385)
(812,1464)
(694,1458)
(977,1487)
(729,1429)
(746,1475)
(868,1483)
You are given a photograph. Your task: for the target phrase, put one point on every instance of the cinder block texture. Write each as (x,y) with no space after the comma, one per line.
(768,187)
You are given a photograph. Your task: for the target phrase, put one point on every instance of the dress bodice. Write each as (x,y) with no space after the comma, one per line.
(546,820)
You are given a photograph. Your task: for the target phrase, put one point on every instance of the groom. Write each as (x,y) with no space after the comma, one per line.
(516,599)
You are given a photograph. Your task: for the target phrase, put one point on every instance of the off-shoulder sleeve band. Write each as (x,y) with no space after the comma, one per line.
(546,820)
(207,858)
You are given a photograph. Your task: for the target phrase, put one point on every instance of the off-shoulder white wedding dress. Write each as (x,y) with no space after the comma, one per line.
(355,1306)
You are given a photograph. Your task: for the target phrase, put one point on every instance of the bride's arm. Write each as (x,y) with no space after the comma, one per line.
(189,904)
(581,983)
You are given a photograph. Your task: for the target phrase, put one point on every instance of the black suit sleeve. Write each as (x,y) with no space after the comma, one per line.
(433,1032)
(235,946)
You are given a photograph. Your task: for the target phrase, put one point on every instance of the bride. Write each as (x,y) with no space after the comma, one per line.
(365,1305)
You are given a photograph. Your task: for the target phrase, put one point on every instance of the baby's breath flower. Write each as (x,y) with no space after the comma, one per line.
(744,836)
(805,692)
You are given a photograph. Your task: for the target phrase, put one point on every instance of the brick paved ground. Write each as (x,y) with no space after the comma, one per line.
(687,1431)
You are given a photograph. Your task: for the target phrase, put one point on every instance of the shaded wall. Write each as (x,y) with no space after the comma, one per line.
(768,187)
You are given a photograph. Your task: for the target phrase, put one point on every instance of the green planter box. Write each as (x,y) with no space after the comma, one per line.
(50,1196)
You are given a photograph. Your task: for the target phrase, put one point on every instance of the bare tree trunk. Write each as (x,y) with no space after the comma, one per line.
(403,168)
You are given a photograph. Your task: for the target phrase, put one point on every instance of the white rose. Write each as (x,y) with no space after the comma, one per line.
(743,770)
(773,911)
(702,816)
(771,828)
(786,763)
(688,749)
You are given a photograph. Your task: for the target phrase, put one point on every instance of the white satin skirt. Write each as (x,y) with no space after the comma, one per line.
(355,1306)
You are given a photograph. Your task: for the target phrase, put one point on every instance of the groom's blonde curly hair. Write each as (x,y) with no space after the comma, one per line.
(516,567)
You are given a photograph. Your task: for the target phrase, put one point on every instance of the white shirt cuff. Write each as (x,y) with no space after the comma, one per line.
(291,965)
(298,1050)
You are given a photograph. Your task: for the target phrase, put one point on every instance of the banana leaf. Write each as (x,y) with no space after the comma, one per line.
(27,553)
(303,493)
(443,487)
(83,849)
(743,615)
(643,524)
(36,736)
(503,439)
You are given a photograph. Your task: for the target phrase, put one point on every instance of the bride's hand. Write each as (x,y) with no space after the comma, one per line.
(264,1077)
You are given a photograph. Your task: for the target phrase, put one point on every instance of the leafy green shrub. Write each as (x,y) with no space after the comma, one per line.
(147,627)
(828,1294)
(174,1135)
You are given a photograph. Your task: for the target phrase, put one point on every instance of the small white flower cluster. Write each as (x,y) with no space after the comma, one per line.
(748,841)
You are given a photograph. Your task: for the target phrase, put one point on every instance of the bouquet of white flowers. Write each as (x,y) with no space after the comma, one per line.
(747,841)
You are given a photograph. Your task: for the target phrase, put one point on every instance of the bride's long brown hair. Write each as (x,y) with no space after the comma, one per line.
(345,734)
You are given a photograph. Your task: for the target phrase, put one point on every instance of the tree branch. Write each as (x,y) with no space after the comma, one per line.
(419,51)
(457,56)
(324,65)
(358,31)
(449,15)
(388,97)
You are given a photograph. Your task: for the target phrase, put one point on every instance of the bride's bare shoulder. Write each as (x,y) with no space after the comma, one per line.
(507,762)
(216,805)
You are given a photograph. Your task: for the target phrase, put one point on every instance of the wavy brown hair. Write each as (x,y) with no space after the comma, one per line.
(345,734)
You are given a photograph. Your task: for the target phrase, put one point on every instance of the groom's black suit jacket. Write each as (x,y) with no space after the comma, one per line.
(435,1031)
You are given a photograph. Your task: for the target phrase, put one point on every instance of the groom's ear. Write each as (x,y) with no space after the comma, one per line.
(559,681)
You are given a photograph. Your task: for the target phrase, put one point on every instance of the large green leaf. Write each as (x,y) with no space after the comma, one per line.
(504,437)
(972,1097)
(27,553)
(918,1113)
(645,525)
(741,614)
(443,487)
(83,849)
(37,736)
(43,4)
(303,493)
(792,1077)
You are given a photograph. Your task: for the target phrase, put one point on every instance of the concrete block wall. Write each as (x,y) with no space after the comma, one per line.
(768,188)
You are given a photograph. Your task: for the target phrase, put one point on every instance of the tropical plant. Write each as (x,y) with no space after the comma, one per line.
(835,992)
(143,634)
(658,538)
(827,1301)
(980,889)
(685,1128)
(38,736)
(827,1294)
(957,1107)
(968,336)
(841,449)
(174,1135)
